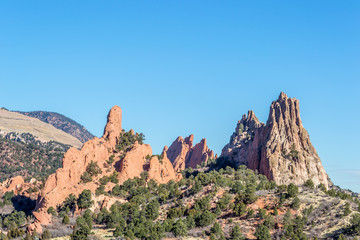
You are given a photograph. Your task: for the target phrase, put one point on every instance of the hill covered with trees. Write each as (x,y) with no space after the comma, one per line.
(207,203)
(24,155)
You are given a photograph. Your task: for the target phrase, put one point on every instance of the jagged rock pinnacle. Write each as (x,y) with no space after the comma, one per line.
(113,127)
(281,149)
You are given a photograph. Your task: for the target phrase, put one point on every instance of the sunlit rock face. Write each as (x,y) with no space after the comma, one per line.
(129,164)
(183,154)
(280,149)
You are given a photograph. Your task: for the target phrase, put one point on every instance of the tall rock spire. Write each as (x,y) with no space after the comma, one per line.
(281,149)
(113,127)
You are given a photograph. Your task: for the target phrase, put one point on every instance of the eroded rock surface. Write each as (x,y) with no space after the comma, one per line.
(182,154)
(281,149)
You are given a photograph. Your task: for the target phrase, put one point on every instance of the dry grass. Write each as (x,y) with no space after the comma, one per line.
(16,122)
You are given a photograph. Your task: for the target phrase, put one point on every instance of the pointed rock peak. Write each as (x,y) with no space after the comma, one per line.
(179,139)
(250,121)
(203,141)
(164,153)
(165,148)
(189,140)
(184,154)
(285,109)
(251,114)
(250,117)
(282,96)
(113,127)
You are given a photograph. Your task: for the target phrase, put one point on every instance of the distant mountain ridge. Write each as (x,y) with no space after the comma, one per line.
(63,123)
(18,123)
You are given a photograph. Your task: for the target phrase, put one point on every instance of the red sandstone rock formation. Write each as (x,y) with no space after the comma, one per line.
(178,150)
(113,127)
(182,154)
(134,162)
(161,169)
(18,186)
(12,184)
(281,149)
(199,153)
(129,164)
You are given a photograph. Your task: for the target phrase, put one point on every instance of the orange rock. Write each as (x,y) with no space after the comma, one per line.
(161,170)
(199,153)
(134,162)
(182,154)
(178,151)
(12,184)
(113,127)
(67,180)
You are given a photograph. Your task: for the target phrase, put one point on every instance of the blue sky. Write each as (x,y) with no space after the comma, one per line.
(182,67)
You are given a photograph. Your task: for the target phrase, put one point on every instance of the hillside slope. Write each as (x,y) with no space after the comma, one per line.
(63,123)
(205,204)
(19,123)
(23,155)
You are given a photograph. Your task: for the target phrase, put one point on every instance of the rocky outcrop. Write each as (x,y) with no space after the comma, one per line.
(113,127)
(281,149)
(178,151)
(182,154)
(129,164)
(134,163)
(161,169)
(20,187)
(199,154)
(12,184)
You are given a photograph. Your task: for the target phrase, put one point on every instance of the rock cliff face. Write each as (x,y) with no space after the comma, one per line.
(182,154)
(129,164)
(281,149)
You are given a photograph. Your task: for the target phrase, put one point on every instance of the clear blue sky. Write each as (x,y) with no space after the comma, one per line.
(182,67)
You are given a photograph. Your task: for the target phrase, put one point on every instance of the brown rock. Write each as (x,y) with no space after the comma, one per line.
(182,154)
(281,149)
